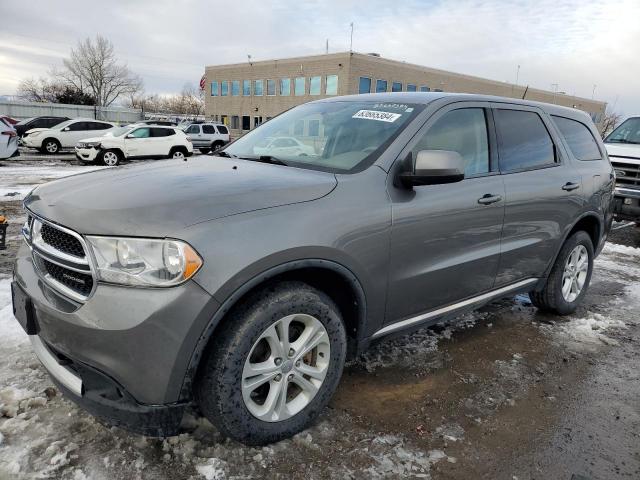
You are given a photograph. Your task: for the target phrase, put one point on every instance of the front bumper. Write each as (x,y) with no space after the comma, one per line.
(627,204)
(124,353)
(87,154)
(31,141)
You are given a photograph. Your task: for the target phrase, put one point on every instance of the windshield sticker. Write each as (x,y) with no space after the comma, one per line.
(379,116)
(392,106)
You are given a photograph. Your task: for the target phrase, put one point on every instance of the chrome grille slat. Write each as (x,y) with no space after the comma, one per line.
(631,175)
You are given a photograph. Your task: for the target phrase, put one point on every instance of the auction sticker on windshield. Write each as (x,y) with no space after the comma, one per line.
(379,116)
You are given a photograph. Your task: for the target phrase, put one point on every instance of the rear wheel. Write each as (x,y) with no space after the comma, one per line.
(110,158)
(204,150)
(178,153)
(50,146)
(217,145)
(274,365)
(569,278)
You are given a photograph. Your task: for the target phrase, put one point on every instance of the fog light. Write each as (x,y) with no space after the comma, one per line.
(627,201)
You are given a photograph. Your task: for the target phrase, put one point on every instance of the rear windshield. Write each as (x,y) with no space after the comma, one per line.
(627,132)
(340,137)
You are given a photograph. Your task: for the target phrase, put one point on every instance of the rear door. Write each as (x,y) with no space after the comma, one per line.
(445,241)
(162,139)
(543,191)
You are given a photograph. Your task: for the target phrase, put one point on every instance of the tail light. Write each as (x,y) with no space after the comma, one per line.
(10,133)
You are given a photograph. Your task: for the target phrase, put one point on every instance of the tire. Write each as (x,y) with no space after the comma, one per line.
(110,158)
(217,145)
(552,298)
(219,391)
(50,146)
(204,150)
(178,153)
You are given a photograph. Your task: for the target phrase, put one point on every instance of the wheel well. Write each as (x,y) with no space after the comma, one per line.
(178,147)
(50,138)
(591,225)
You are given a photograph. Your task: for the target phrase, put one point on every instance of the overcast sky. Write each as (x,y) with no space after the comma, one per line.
(574,43)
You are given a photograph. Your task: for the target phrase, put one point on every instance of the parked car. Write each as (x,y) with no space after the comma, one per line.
(137,141)
(8,120)
(280,146)
(65,134)
(623,145)
(242,285)
(38,122)
(166,123)
(207,137)
(8,140)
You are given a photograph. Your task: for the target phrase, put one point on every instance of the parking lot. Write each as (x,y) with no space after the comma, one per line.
(502,393)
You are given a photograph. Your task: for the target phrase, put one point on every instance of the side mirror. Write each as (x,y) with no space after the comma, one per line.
(434,167)
(130,136)
(65,129)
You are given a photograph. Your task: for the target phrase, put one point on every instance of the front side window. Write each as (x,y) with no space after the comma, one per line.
(285,87)
(332,136)
(235,88)
(364,85)
(193,129)
(141,133)
(258,88)
(224,88)
(580,139)
(463,131)
(381,86)
(331,85)
(271,87)
(315,85)
(523,141)
(214,88)
(627,132)
(396,87)
(246,88)
(299,86)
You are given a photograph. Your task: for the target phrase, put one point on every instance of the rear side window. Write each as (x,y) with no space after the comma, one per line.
(210,129)
(99,126)
(523,141)
(222,129)
(579,137)
(79,126)
(463,131)
(162,132)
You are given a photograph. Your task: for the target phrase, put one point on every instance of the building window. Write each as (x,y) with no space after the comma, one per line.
(224,88)
(235,122)
(257,121)
(331,85)
(214,88)
(246,122)
(299,86)
(258,88)
(396,87)
(411,87)
(285,87)
(235,88)
(315,86)
(365,85)
(271,87)
(298,128)
(437,89)
(314,128)
(246,88)
(424,88)
(381,86)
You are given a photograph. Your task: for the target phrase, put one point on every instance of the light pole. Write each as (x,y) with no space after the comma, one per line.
(593,92)
(351,43)
(555,91)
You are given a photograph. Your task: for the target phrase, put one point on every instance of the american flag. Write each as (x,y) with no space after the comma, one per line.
(203,82)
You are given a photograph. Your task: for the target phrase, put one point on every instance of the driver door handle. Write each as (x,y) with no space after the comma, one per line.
(489,198)
(570,186)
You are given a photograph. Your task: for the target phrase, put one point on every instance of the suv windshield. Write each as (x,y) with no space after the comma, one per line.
(331,136)
(118,132)
(627,132)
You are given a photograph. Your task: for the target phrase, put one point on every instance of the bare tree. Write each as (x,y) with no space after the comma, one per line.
(610,121)
(43,90)
(187,102)
(92,67)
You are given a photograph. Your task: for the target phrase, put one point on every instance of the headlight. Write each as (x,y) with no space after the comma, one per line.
(88,144)
(34,134)
(144,262)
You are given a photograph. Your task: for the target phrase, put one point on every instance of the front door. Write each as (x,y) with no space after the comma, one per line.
(445,241)
(138,143)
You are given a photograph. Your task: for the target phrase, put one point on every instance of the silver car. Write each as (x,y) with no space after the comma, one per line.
(207,137)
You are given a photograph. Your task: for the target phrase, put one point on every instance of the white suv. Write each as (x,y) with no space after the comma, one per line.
(207,136)
(135,141)
(65,134)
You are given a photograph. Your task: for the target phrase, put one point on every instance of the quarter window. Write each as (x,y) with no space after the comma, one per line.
(271,87)
(222,129)
(579,137)
(246,88)
(396,87)
(258,88)
(365,85)
(214,88)
(381,86)
(523,141)
(331,85)
(285,87)
(299,86)
(235,88)
(314,85)
(463,131)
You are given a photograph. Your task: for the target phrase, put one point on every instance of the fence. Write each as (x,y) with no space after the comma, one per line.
(21,110)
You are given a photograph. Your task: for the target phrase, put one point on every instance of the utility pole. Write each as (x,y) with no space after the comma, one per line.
(326,48)
(593,92)
(351,44)
(517,75)
(555,91)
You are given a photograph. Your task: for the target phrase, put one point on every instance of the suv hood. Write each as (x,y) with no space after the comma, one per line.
(101,138)
(623,150)
(160,199)
(34,130)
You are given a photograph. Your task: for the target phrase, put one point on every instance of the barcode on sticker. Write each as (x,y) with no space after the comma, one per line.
(375,115)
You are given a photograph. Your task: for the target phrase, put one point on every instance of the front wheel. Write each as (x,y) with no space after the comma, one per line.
(110,158)
(274,365)
(51,146)
(569,278)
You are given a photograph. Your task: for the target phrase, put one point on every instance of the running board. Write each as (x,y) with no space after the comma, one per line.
(493,294)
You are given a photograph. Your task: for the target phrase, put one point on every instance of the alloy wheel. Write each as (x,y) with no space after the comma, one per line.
(178,154)
(286,367)
(110,159)
(51,147)
(575,273)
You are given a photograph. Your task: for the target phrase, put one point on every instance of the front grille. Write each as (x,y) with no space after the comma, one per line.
(627,174)
(76,281)
(62,241)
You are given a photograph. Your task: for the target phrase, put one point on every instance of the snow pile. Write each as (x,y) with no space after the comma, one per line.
(589,329)
(211,469)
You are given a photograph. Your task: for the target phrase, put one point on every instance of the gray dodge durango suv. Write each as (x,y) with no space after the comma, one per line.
(238,284)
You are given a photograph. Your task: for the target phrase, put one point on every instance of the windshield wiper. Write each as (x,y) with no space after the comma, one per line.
(266,159)
(222,153)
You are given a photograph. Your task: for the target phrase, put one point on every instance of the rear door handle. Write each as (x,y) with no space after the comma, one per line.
(570,186)
(489,199)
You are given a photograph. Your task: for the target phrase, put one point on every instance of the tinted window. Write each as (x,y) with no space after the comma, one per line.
(365,85)
(222,129)
(523,140)
(210,129)
(79,126)
(463,131)
(579,137)
(99,126)
(162,132)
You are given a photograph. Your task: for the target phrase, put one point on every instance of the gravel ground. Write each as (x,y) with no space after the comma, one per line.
(502,393)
